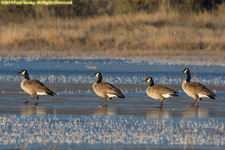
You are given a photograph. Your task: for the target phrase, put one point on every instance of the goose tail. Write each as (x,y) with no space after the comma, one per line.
(212,96)
(51,93)
(121,95)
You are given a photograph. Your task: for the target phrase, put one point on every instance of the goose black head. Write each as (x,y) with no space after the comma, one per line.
(186,70)
(149,79)
(23,71)
(99,75)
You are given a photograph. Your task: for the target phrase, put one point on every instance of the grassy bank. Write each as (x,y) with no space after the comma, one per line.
(166,33)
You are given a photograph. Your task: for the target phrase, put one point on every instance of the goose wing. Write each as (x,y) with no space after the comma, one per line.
(110,89)
(162,90)
(199,89)
(36,86)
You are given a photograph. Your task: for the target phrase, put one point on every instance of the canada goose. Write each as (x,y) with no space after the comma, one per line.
(104,89)
(34,87)
(159,92)
(194,89)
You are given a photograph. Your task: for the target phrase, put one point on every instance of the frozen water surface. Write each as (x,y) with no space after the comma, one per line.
(73,119)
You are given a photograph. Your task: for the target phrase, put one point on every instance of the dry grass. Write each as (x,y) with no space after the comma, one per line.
(167,33)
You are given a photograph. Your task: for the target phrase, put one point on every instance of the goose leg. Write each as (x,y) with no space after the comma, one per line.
(161,103)
(105,101)
(194,101)
(29,100)
(37,100)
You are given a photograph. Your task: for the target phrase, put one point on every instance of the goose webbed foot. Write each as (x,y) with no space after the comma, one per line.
(26,102)
(161,107)
(29,100)
(36,104)
(196,105)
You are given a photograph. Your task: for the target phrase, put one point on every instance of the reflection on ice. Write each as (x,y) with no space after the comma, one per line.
(105,111)
(184,113)
(195,112)
(33,110)
(158,113)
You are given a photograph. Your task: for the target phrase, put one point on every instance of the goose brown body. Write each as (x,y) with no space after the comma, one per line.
(194,89)
(105,90)
(34,87)
(159,92)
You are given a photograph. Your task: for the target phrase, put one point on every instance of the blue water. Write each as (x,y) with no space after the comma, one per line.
(120,71)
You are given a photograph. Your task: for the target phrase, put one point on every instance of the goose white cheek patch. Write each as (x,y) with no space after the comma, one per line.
(97,75)
(23,72)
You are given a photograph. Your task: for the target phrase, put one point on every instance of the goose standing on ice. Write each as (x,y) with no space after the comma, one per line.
(194,89)
(33,87)
(159,92)
(104,89)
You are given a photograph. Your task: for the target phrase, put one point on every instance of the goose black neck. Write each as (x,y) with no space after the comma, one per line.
(151,83)
(99,78)
(188,76)
(26,76)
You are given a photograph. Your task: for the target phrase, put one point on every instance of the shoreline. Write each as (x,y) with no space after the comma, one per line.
(197,57)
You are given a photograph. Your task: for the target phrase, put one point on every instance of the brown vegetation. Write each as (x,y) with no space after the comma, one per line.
(166,31)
